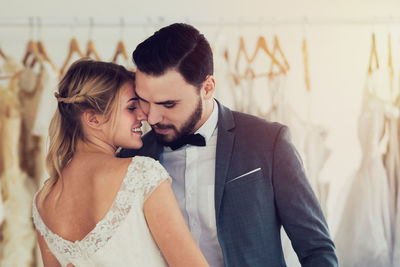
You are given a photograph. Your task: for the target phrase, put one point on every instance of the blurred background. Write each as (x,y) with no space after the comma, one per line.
(330,70)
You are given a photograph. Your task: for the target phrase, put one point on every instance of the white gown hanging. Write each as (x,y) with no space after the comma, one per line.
(47,105)
(16,247)
(363,237)
(393,167)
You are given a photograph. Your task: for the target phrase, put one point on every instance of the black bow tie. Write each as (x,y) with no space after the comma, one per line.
(191,139)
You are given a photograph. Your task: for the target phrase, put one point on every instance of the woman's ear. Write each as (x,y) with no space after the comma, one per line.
(208,87)
(92,119)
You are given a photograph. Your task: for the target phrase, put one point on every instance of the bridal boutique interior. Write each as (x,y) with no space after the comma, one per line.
(330,70)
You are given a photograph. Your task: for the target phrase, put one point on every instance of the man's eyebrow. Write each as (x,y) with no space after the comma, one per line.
(142,99)
(167,102)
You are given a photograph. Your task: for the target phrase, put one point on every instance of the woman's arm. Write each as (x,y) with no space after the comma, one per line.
(169,229)
(49,260)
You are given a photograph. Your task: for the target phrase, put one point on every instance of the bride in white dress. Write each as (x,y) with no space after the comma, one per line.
(97,209)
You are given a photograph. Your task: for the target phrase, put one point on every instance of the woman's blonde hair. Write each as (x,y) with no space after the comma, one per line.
(87,85)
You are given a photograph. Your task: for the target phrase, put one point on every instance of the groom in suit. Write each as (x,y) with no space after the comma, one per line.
(237,178)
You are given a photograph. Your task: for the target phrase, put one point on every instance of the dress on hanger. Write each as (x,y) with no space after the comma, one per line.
(16,248)
(396,246)
(392,165)
(122,237)
(242,87)
(39,84)
(31,88)
(316,154)
(235,87)
(363,236)
(47,105)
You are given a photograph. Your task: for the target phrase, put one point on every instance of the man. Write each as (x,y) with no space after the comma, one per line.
(239,178)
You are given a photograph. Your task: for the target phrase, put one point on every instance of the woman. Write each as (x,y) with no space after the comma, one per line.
(97,209)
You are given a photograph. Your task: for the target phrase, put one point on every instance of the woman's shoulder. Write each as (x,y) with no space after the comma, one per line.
(144,162)
(135,173)
(150,172)
(45,189)
(147,168)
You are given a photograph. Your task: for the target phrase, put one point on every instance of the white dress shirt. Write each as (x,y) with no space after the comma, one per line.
(192,169)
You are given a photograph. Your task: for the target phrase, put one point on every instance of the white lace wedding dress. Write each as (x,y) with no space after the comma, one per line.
(122,237)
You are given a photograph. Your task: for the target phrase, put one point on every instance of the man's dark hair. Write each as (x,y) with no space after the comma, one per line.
(180,47)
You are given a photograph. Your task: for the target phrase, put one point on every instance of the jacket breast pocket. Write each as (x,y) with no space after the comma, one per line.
(248,198)
(246,177)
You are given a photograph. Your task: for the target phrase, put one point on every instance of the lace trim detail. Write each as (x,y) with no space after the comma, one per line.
(143,176)
(154,174)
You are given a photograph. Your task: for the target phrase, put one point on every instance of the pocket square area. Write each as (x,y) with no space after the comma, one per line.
(245,174)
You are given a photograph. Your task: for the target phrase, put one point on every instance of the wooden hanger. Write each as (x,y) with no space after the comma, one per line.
(43,53)
(261,45)
(306,70)
(73,48)
(32,50)
(120,51)
(2,54)
(15,75)
(41,47)
(242,49)
(226,55)
(373,55)
(277,48)
(249,73)
(390,65)
(91,49)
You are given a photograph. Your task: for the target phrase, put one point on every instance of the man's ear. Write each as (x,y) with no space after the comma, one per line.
(208,88)
(92,119)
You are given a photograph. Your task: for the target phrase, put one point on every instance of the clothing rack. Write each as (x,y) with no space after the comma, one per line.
(100,22)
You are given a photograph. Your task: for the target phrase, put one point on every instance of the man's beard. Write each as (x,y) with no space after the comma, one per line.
(186,129)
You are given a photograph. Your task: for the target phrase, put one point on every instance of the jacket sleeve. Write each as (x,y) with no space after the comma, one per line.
(298,207)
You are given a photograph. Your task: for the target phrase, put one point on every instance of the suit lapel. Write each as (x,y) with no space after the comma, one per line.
(225,141)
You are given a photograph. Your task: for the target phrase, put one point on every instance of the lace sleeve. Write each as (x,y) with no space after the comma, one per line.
(35,216)
(153,174)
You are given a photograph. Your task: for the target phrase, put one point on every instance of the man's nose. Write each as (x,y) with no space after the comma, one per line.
(154,115)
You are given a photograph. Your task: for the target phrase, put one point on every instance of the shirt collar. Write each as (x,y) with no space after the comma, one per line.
(208,127)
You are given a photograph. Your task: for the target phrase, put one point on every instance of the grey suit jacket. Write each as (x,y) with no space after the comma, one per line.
(260,185)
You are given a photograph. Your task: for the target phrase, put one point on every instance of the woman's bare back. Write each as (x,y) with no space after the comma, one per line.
(79,200)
